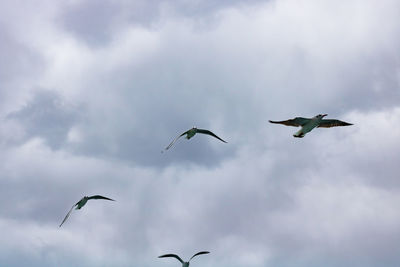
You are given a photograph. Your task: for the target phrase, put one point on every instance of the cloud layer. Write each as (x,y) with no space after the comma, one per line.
(92,92)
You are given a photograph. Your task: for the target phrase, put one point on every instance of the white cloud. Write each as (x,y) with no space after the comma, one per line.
(263,199)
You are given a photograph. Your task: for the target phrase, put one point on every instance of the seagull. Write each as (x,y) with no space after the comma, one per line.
(82,203)
(190,133)
(307,124)
(184,263)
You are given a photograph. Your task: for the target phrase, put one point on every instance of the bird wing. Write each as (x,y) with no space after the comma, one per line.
(209,133)
(199,253)
(333,123)
(100,197)
(66,216)
(175,140)
(298,121)
(173,256)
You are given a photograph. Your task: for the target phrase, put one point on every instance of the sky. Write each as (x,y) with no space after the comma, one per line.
(92,91)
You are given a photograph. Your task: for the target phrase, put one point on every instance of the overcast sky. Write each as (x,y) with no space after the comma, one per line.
(91,92)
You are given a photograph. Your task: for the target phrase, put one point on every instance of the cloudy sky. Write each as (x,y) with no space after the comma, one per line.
(91,92)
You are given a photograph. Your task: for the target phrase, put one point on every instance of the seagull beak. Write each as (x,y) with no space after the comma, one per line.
(324,115)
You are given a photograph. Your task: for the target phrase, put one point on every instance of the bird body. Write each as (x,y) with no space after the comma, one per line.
(308,124)
(314,122)
(82,203)
(184,263)
(192,132)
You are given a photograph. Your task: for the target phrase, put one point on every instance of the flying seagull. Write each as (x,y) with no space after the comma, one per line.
(82,203)
(184,263)
(190,133)
(307,124)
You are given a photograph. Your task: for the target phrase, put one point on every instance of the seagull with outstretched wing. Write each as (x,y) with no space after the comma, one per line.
(184,263)
(191,132)
(307,124)
(82,203)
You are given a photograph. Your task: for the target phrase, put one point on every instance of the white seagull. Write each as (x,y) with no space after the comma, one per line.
(82,203)
(184,263)
(190,133)
(307,124)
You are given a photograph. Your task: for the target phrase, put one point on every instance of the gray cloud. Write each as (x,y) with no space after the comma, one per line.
(47,116)
(18,67)
(95,22)
(122,90)
(91,20)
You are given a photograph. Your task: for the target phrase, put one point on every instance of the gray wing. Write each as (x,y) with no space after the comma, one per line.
(199,253)
(333,123)
(66,216)
(209,133)
(100,197)
(298,121)
(175,140)
(173,256)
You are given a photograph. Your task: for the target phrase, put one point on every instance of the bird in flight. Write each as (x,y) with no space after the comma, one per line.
(82,203)
(190,133)
(307,124)
(184,263)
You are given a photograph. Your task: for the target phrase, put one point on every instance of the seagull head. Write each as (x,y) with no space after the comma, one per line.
(321,115)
